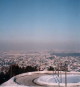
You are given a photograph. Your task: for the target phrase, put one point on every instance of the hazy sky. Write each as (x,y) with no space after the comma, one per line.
(52,22)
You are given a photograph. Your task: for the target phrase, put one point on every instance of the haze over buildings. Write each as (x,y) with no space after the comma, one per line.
(53,24)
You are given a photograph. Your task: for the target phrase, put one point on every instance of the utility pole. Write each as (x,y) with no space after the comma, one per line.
(58,69)
(60,72)
(65,78)
(65,75)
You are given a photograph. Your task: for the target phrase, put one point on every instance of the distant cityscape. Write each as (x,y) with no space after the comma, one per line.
(42,59)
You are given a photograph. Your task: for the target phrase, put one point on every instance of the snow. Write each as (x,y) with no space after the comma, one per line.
(61,79)
(9,82)
(73,79)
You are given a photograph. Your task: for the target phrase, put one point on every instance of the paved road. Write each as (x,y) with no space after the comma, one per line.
(28,79)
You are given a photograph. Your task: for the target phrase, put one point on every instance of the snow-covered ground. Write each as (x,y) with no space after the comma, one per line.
(10,82)
(73,79)
(59,79)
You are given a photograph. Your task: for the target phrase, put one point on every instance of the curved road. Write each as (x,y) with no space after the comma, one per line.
(27,80)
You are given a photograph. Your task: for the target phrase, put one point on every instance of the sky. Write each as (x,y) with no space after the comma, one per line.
(53,23)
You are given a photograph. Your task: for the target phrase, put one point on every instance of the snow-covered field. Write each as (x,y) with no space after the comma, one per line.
(73,79)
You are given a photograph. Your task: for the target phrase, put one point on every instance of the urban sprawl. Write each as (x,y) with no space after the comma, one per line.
(42,59)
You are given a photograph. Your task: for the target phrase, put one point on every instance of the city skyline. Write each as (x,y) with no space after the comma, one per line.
(40,23)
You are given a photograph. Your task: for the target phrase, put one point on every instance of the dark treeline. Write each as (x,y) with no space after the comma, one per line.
(15,70)
(50,68)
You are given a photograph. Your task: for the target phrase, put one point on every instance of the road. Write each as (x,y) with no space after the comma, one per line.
(28,80)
